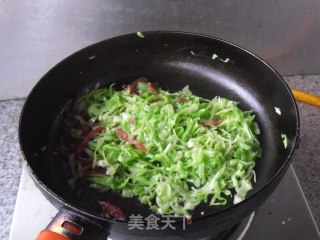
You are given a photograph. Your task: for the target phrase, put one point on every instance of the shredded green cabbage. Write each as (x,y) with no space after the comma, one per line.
(196,150)
(140,35)
(277,110)
(284,140)
(214,56)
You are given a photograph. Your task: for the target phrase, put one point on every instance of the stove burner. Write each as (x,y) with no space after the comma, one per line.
(236,232)
(241,229)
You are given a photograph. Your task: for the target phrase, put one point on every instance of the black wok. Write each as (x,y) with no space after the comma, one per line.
(172,60)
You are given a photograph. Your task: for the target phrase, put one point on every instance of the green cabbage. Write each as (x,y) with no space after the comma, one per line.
(197,150)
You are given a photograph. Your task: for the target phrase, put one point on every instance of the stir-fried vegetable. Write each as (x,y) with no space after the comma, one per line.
(171,150)
(140,35)
(284,140)
(277,110)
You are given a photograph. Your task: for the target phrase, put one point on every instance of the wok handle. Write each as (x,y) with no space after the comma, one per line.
(70,225)
(46,234)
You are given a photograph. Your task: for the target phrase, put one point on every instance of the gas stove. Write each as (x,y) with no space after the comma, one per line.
(284,215)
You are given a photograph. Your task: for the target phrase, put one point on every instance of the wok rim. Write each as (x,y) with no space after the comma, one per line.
(62,201)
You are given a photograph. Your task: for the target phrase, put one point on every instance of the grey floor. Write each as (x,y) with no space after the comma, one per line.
(306,158)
